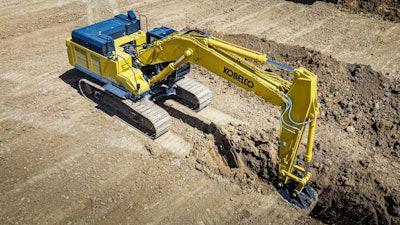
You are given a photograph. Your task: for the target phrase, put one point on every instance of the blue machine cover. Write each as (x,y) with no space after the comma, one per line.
(99,37)
(158,33)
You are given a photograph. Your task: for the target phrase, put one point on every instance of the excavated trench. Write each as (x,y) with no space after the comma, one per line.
(348,192)
(357,145)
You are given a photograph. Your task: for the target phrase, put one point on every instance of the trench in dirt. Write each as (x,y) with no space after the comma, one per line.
(361,105)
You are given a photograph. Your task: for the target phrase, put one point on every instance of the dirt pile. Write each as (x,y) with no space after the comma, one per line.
(360,104)
(387,9)
(355,97)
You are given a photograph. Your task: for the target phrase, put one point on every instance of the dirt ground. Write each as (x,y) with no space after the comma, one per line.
(64,161)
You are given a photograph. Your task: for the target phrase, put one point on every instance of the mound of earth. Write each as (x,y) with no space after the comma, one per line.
(356,149)
(387,9)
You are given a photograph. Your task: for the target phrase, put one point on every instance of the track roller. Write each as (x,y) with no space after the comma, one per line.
(143,114)
(193,94)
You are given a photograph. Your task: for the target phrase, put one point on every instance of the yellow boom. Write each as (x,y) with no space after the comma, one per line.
(298,100)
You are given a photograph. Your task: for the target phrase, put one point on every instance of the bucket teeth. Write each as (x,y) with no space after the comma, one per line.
(305,200)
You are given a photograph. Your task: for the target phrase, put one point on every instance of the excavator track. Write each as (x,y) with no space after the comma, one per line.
(143,114)
(193,94)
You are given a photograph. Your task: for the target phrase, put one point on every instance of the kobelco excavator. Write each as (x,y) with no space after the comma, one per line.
(129,69)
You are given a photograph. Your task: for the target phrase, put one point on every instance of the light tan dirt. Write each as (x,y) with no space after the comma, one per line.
(64,161)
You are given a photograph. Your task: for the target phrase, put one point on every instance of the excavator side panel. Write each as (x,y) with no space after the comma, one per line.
(118,71)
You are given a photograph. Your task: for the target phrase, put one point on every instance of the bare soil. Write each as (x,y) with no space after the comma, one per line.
(65,161)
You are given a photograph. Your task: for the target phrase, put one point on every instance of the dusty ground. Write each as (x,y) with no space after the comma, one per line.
(64,161)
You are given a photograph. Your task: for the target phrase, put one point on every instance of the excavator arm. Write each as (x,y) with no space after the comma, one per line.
(298,100)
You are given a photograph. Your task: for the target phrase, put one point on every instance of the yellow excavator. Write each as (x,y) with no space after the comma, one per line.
(129,69)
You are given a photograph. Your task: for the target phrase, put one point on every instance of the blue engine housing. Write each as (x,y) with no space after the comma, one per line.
(158,33)
(99,37)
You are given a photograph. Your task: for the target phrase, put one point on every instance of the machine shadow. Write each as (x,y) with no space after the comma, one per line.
(72,77)
(220,140)
(188,119)
(306,2)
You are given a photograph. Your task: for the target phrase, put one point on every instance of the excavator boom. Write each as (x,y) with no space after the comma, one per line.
(298,100)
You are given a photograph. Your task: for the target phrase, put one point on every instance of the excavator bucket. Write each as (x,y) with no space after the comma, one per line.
(305,200)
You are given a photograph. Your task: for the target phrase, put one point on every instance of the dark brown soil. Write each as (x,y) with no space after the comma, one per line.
(387,9)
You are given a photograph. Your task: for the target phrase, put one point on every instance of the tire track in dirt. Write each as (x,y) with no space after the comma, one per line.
(41,16)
